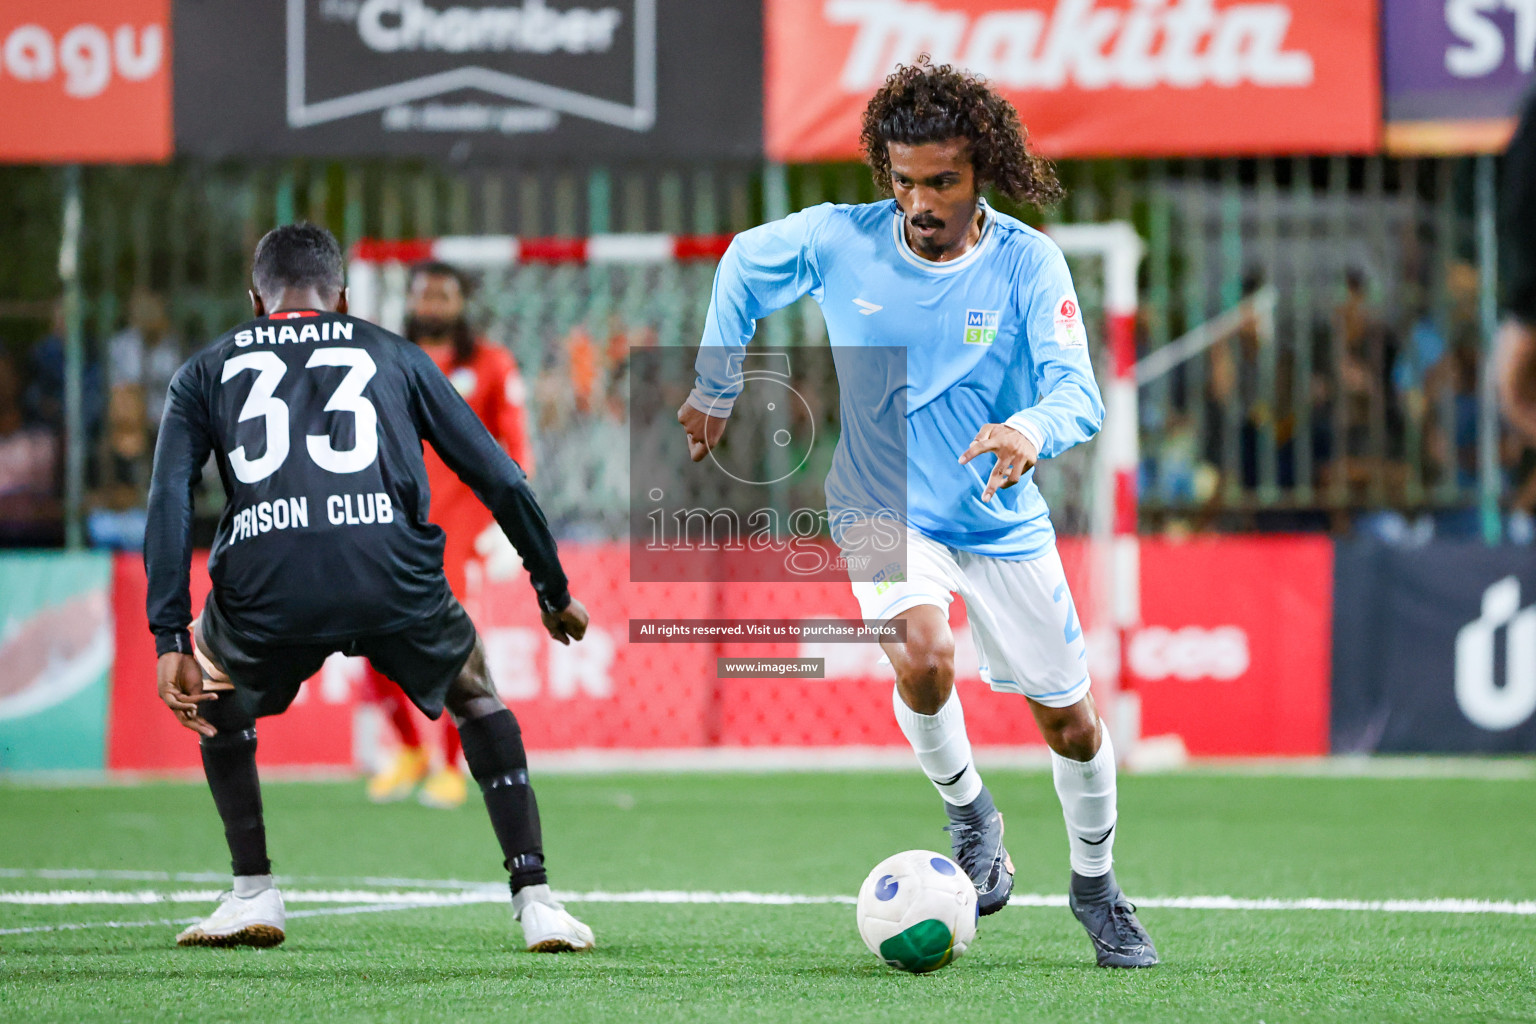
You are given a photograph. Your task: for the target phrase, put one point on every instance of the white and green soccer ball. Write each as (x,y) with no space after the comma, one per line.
(917,911)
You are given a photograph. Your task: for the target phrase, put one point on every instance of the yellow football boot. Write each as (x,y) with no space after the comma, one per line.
(444,788)
(396,782)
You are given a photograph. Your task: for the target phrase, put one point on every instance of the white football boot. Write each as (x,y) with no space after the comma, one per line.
(547,926)
(240,921)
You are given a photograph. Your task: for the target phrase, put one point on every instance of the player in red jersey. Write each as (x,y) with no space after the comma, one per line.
(486,376)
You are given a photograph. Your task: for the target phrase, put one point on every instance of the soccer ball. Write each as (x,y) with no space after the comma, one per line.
(917,911)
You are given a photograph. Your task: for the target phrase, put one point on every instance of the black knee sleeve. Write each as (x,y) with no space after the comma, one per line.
(229,762)
(493,746)
(227,714)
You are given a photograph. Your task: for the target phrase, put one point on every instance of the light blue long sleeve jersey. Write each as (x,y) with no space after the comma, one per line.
(995,336)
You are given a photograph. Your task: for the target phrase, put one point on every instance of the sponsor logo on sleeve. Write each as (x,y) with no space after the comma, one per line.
(1069,323)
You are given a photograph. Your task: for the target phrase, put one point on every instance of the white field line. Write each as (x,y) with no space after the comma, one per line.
(368,881)
(497,894)
(750,760)
(174,922)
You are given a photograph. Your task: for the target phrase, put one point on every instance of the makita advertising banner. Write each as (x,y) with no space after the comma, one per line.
(470,79)
(1091,77)
(1455,72)
(1434,648)
(85,81)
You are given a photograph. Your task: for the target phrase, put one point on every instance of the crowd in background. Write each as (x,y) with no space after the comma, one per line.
(1390,395)
(1377,418)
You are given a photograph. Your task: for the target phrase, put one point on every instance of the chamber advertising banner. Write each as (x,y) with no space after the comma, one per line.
(56,650)
(1455,73)
(1434,649)
(470,79)
(1091,77)
(85,81)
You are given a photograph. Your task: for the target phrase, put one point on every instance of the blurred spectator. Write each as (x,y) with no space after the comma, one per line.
(29,461)
(43,400)
(1236,392)
(1363,448)
(581,400)
(146,353)
(141,359)
(1451,385)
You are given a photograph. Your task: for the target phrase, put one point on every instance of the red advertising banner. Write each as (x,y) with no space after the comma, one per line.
(84,81)
(1090,77)
(1235,648)
(604,691)
(142,735)
(1232,668)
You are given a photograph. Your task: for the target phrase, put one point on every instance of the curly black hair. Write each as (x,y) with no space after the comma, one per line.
(921,102)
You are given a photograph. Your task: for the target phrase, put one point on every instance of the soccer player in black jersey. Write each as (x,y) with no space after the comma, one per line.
(1517,335)
(316,421)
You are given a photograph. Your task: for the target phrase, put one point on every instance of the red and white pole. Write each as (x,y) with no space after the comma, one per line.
(1115,561)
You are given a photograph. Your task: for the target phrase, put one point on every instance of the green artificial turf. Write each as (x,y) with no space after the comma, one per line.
(813,834)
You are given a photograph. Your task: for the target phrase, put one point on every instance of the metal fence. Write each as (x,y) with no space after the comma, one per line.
(1371,395)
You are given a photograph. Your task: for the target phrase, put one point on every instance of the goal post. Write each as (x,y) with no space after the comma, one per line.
(1115,559)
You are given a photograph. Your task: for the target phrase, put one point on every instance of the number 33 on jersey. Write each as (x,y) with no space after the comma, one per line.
(316,422)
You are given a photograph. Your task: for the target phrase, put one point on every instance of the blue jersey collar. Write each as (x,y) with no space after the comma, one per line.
(948,266)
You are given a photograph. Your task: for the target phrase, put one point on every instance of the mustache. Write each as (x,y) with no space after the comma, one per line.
(417,327)
(926,220)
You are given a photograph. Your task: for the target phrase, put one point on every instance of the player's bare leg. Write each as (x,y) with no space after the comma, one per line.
(252,913)
(930,715)
(493,746)
(1083,765)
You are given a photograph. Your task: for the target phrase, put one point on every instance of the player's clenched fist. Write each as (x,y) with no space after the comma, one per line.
(1015,455)
(181,687)
(568,624)
(702,429)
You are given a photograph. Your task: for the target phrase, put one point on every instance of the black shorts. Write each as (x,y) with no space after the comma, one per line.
(424,657)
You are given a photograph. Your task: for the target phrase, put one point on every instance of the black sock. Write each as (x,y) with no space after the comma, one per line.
(973,813)
(229,762)
(493,747)
(1095,889)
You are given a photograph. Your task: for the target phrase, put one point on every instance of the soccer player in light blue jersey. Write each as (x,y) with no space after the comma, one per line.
(997,377)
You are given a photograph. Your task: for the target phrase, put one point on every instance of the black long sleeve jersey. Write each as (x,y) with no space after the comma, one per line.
(1519,217)
(316,421)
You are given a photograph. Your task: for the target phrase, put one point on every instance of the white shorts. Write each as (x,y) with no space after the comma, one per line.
(1022,619)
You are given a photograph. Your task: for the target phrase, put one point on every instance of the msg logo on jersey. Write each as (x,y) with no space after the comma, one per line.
(981,326)
(888,577)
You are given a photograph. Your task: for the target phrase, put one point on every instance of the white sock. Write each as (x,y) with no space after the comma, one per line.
(942,748)
(247,886)
(532,894)
(1087,793)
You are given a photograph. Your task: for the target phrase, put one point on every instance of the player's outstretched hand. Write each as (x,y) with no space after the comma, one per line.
(181,687)
(568,624)
(1015,455)
(702,429)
